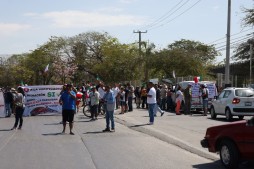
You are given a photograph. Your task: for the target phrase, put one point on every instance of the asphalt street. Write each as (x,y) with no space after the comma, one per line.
(40,144)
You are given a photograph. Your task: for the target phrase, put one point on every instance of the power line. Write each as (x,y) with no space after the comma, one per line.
(230,36)
(248,35)
(178,15)
(167,15)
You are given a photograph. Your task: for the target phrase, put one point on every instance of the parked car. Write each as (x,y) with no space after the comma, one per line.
(233,102)
(234,142)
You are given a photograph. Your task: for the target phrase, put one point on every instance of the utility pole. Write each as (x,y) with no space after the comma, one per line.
(139,44)
(139,40)
(251,55)
(227,66)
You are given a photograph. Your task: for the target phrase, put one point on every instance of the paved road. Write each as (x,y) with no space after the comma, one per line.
(39,145)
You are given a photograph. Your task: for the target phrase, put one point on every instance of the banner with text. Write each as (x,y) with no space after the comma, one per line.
(2,105)
(42,99)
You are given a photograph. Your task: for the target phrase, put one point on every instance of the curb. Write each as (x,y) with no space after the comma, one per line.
(168,139)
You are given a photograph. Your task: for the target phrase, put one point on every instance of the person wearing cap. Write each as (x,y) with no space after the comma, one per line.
(68,101)
(187,99)
(19,109)
(204,95)
(151,101)
(94,102)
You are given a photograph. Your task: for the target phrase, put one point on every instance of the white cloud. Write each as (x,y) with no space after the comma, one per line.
(10,28)
(80,19)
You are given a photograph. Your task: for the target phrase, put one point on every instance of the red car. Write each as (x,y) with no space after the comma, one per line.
(234,142)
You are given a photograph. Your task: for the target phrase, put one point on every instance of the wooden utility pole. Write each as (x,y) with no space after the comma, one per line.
(140,53)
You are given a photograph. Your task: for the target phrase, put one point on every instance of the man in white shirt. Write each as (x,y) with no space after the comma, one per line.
(116,91)
(151,101)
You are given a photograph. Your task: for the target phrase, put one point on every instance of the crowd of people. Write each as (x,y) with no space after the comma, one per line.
(153,97)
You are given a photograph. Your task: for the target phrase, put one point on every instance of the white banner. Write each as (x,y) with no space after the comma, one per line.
(2,105)
(42,99)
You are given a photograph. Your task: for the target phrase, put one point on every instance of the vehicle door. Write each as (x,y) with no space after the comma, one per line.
(225,101)
(217,103)
(248,132)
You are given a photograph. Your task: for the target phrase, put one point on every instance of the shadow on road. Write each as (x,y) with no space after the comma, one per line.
(5,129)
(139,125)
(212,165)
(52,124)
(94,132)
(218,165)
(223,119)
(52,134)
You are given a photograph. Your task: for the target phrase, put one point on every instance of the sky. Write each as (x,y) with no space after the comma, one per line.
(27,24)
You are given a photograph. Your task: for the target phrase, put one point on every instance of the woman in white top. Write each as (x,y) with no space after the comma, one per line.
(179,98)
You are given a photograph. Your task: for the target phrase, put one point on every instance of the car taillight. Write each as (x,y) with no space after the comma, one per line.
(235,101)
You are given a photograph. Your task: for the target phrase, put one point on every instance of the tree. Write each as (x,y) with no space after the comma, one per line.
(249,18)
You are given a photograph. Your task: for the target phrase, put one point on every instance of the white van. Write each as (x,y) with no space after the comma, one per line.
(196,101)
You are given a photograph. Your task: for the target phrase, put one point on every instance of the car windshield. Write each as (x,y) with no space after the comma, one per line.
(244,92)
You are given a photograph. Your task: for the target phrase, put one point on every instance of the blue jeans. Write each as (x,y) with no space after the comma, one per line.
(157,108)
(151,112)
(110,117)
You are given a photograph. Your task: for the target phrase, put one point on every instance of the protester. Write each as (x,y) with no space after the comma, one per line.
(19,109)
(170,104)
(164,91)
(100,88)
(122,100)
(109,101)
(151,101)
(179,98)
(204,95)
(94,103)
(158,101)
(8,97)
(68,99)
(116,90)
(137,94)
(187,99)
(130,96)
(144,97)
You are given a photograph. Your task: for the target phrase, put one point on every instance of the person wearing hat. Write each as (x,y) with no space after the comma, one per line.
(187,99)
(68,101)
(94,102)
(204,95)
(19,109)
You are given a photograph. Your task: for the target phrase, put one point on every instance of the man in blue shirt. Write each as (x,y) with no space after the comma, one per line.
(68,102)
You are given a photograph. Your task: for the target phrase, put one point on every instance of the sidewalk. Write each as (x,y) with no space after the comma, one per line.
(184,131)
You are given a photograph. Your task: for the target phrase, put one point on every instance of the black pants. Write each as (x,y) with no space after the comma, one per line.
(130,103)
(94,111)
(19,116)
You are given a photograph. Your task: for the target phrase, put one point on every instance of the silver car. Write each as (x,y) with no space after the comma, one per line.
(233,101)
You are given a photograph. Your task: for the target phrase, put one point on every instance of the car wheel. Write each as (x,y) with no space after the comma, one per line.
(213,114)
(229,155)
(240,117)
(228,115)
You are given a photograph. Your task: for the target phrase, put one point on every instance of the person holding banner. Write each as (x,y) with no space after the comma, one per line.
(68,101)
(19,109)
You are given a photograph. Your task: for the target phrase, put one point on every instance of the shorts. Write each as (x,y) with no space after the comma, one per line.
(68,115)
(122,103)
(205,104)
